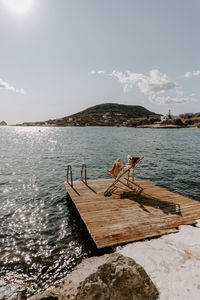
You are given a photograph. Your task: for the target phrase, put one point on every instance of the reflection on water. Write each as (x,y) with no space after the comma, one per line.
(41,235)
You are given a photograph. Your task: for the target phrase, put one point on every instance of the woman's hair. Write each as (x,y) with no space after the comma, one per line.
(133,158)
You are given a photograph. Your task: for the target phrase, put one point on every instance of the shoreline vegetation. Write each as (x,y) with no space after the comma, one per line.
(120,115)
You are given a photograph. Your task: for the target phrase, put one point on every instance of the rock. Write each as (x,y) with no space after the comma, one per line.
(108,277)
(3,123)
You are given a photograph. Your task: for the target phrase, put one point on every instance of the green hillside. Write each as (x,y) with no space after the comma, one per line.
(130,111)
(108,114)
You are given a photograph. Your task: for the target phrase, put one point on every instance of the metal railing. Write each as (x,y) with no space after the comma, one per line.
(84,170)
(69,172)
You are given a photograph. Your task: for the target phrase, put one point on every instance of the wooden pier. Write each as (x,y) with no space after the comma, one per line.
(126,216)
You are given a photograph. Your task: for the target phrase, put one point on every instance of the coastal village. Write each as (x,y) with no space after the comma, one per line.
(117,115)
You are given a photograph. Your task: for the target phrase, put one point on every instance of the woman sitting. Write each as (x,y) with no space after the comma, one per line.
(118,165)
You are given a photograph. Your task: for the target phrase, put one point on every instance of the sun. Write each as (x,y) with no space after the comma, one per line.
(19,6)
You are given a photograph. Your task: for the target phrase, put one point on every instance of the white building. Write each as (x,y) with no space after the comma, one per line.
(168,116)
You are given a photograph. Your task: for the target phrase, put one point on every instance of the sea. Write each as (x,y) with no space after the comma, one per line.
(42,237)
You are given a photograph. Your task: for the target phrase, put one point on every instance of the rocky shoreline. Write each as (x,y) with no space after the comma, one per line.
(161,268)
(111,276)
(156,126)
(159,126)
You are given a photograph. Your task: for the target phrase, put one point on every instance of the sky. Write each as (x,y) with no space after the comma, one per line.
(60,57)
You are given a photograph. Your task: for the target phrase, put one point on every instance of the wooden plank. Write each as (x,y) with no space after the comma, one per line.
(125,216)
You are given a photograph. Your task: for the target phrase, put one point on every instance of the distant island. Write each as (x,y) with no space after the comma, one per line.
(113,114)
(3,123)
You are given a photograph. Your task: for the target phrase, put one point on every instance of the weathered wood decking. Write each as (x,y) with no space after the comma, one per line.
(125,216)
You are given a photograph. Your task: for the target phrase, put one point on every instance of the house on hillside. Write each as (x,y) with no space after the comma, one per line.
(126,123)
(106,116)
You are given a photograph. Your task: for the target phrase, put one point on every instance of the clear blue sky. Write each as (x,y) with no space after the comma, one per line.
(59,57)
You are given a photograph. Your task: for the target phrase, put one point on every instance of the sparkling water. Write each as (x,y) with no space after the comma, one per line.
(41,235)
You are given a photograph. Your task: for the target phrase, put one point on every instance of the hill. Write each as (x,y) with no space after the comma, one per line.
(130,111)
(108,114)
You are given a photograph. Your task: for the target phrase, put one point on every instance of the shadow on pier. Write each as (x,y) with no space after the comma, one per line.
(144,200)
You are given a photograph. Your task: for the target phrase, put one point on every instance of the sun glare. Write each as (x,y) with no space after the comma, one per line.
(19,6)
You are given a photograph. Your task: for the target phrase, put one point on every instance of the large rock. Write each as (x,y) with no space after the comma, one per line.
(108,277)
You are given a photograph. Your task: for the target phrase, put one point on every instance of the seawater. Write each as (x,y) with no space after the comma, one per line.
(41,235)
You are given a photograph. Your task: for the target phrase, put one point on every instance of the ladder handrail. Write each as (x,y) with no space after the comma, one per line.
(69,169)
(84,168)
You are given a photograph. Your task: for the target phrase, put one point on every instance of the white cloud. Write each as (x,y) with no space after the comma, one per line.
(192,74)
(92,72)
(7,86)
(187,74)
(170,100)
(100,72)
(152,85)
(128,79)
(180,92)
(156,82)
(196,73)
